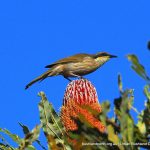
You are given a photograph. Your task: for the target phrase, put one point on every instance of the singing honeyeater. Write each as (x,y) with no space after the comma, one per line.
(74,66)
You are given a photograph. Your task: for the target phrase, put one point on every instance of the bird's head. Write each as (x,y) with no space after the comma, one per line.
(103,56)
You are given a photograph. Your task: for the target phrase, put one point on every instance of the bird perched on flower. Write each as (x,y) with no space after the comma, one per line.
(74,66)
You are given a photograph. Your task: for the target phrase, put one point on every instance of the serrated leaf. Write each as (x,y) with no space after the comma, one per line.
(39,143)
(14,137)
(34,134)
(130,129)
(4,147)
(5,143)
(146,112)
(26,131)
(142,127)
(25,128)
(137,67)
(122,107)
(143,122)
(124,102)
(30,147)
(147,92)
(114,137)
(52,142)
(120,85)
(105,109)
(48,116)
(49,120)
(30,138)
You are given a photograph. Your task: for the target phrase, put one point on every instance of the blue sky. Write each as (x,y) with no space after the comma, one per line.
(35,33)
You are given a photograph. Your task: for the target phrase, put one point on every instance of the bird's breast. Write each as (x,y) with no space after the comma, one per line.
(81,68)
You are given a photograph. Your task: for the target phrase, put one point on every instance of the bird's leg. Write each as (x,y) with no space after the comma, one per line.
(74,75)
(80,77)
(67,78)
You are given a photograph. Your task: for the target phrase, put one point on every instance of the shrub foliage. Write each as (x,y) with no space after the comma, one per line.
(122,133)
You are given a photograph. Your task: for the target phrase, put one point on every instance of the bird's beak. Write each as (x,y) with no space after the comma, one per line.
(112,56)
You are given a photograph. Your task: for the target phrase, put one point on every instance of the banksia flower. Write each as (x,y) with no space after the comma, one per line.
(80,99)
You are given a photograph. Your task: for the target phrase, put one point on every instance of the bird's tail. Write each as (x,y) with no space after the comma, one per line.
(40,78)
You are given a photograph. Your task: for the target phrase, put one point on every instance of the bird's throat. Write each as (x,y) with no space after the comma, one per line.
(100,61)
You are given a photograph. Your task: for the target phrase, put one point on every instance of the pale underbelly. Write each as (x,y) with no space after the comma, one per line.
(79,68)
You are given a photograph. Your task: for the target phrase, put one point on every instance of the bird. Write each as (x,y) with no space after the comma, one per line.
(77,65)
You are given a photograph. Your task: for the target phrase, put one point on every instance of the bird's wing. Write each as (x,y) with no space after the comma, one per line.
(74,58)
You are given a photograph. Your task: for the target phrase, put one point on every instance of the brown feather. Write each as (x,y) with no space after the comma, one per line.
(74,58)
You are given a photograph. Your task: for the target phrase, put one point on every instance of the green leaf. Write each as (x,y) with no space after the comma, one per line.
(30,138)
(50,121)
(25,128)
(114,137)
(5,143)
(5,147)
(122,108)
(120,83)
(34,134)
(139,137)
(145,115)
(137,67)
(147,92)
(130,129)
(30,147)
(26,131)
(39,143)
(105,109)
(141,126)
(14,137)
(48,116)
